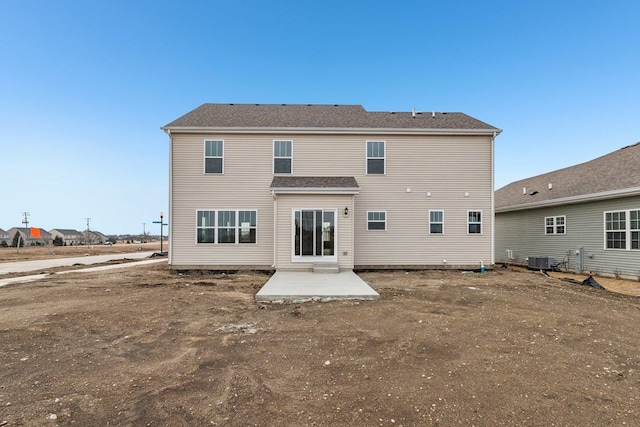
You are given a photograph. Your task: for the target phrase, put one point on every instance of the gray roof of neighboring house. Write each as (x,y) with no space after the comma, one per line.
(319,116)
(67,231)
(27,231)
(314,182)
(611,173)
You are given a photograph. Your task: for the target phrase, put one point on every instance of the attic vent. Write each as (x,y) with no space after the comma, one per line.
(533,193)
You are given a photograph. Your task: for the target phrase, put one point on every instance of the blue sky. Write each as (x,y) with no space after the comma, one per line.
(86,85)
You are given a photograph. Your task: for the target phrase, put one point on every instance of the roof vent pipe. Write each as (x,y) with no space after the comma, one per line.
(524,190)
(433,114)
(413,112)
(550,186)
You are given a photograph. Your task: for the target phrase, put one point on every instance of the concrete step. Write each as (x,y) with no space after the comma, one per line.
(326,267)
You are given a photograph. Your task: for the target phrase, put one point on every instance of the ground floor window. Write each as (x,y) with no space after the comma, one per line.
(436,222)
(555,224)
(226,226)
(377,220)
(474,222)
(622,229)
(314,232)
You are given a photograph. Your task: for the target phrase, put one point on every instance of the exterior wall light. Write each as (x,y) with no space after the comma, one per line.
(346,211)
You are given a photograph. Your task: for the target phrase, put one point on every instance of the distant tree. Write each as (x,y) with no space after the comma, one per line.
(17,239)
(57,241)
(112,240)
(3,244)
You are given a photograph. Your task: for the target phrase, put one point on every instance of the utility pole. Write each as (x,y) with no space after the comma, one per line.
(25,221)
(144,232)
(88,231)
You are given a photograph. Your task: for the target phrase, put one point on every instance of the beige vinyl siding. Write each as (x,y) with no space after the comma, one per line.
(446,166)
(288,202)
(523,233)
(243,186)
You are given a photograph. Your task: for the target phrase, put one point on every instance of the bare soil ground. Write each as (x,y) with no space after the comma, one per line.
(41,252)
(148,346)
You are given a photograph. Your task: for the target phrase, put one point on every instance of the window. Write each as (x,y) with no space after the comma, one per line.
(622,229)
(635,229)
(248,226)
(221,227)
(436,222)
(555,224)
(375,158)
(282,157)
(213,157)
(376,221)
(474,222)
(206,226)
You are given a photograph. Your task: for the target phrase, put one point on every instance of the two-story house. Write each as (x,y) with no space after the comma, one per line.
(288,186)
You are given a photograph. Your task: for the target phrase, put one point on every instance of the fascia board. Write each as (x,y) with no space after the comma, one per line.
(605,195)
(333,131)
(304,190)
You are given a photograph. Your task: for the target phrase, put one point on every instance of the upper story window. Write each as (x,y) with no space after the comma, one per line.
(377,220)
(214,157)
(474,222)
(283,157)
(376,158)
(555,224)
(436,222)
(622,229)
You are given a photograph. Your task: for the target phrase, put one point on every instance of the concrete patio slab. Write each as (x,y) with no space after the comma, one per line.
(307,286)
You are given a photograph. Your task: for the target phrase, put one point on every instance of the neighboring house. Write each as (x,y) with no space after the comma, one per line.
(4,237)
(587,215)
(288,186)
(68,236)
(45,236)
(92,237)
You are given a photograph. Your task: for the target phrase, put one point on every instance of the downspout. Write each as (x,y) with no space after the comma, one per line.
(275,228)
(493,214)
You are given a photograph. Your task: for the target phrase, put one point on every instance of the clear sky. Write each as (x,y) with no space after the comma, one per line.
(86,85)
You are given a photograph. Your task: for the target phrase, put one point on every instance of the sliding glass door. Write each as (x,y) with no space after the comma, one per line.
(314,233)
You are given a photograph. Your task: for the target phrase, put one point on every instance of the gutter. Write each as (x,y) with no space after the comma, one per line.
(605,195)
(331,131)
(310,190)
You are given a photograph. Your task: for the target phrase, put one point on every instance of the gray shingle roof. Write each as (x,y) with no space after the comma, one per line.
(319,116)
(314,182)
(618,170)
(66,231)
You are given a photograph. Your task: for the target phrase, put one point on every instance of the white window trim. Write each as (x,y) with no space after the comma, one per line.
(273,154)
(385,221)
(205,157)
(627,230)
(439,210)
(481,222)
(307,258)
(366,157)
(236,227)
(555,225)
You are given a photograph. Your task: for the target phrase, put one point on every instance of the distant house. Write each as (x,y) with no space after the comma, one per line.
(45,236)
(68,236)
(291,186)
(4,237)
(587,215)
(93,237)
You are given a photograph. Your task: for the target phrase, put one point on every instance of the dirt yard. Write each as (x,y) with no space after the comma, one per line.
(149,347)
(41,252)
